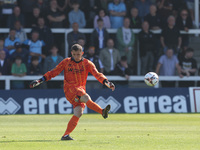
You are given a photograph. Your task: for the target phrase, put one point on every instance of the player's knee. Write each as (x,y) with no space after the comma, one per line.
(85,98)
(78,114)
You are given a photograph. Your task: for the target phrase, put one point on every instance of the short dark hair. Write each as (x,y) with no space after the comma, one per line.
(98,20)
(34,58)
(189,49)
(76,47)
(54,45)
(18,57)
(123,58)
(35,31)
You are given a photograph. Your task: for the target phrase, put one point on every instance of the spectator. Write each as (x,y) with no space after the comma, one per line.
(94,58)
(82,42)
(51,62)
(143,7)
(109,56)
(27,8)
(45,34)
(117,11)
(135,19)
(102,15)
(147,48)
(4,64)
(125,40)
(34,17)
(167,66)
(122,69)
(54,16)
(22,52)
(165,8)
(63,5)
(90,7)
(18,70)
(188,67)
(104,5)
(198,83)
(16,16)
(2,47)
(35,46)
(178,5)
(10,41)
(72,37)
(7,7)
(99,36)
(190,6)
(170,36)
(42,5)
(184,22)
(20,32)
(76,15)
(4,67)
(153,18)
(35,67)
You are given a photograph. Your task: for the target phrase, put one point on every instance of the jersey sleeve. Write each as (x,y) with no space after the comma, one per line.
(56,71)
(93,70)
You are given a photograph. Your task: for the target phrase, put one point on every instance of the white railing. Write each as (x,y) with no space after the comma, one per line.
(10,78)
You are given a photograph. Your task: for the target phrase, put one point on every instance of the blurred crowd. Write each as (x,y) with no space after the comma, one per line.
(40,50)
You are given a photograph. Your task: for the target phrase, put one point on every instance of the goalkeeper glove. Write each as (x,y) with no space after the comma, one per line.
(109,85)
(37,82)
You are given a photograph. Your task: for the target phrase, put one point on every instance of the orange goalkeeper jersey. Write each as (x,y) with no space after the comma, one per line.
(75,73)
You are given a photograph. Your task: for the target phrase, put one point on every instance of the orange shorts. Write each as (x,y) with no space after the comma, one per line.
(72,93)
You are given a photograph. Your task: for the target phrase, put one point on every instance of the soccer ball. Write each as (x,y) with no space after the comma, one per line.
(151,79)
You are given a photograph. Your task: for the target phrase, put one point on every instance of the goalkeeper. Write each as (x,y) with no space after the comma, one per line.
(76,69)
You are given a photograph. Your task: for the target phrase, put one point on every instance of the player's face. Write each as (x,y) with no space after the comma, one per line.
(77,55)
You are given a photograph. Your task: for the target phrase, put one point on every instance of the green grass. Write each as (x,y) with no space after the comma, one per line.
(118,132)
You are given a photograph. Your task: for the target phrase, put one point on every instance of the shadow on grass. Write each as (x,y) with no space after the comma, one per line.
(21,141)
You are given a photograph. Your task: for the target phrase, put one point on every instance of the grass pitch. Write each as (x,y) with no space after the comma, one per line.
(118,132)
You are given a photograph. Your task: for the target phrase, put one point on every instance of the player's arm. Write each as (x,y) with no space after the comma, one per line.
(100,77)
(50,74)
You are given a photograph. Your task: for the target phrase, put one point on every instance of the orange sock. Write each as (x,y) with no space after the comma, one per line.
(94,106)
(71,125)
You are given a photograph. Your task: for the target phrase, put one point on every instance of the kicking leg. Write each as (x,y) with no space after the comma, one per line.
(78,111)
(94,106)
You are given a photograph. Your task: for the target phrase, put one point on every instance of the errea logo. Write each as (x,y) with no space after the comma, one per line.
(115,105)
(8,107)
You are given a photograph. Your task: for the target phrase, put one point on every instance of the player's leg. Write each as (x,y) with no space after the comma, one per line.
(94,106)
(78,111)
